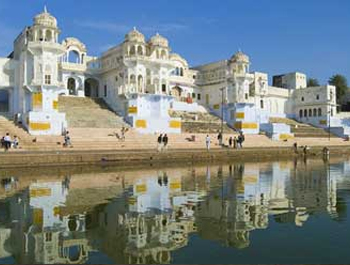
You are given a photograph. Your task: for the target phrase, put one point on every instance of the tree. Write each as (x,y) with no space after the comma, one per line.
(312,82)
(341,84)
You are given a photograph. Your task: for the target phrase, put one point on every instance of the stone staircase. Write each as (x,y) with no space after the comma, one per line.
(89,113)
(303,130)
(8,126)
(198,122)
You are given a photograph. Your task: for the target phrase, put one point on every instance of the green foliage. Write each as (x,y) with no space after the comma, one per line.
(312,82)
(340,82)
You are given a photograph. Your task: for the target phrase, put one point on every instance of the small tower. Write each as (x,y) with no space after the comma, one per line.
(41,56)
(45,27)
(240,63)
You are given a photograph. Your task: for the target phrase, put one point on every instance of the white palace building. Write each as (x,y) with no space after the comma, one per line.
(142,80)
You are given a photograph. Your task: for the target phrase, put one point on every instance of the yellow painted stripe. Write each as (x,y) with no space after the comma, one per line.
(286,136)
(40,192)
(132,110)
(175,186)
(39,126)
(141,124)
(55,104)
(240,115)
(37,101)
(141,188)
(246,125)
(175,124)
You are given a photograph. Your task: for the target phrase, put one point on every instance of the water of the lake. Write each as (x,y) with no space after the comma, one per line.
(281,212)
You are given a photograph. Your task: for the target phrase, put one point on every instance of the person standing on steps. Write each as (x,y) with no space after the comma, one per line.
(235,142)
(7,140)
(165,141)
(220,138)
(160,141)
(230,141)
(239,142)
(15,142)
(207,142)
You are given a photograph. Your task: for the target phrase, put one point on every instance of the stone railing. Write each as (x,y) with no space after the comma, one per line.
(73,66)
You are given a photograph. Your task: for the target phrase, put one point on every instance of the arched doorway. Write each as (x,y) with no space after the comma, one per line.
(4,101)
(72,86)
(91,88)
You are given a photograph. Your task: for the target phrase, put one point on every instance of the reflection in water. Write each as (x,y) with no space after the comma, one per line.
(147,217)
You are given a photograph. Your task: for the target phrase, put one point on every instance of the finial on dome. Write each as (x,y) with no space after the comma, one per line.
(157,33)
(45,9)
(134,28)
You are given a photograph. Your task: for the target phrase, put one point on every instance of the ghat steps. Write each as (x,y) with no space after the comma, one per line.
(89,113)
(200,122)
(303,130)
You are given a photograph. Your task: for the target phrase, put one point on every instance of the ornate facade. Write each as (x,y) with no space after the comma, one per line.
(142,79)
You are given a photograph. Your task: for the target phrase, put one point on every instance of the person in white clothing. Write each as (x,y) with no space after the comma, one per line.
(7,140)
(207,142)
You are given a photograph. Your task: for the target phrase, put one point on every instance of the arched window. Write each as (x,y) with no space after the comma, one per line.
(181,71)
(132,50)
(71,86)
(140,83)
(319,112)
(310,112)
(73,56)
(132,79)
(164,87)
(261,104)
(49,35)
(163,54)
(41,35)
(315,112)
(300,113)
(139,50)
(305,113)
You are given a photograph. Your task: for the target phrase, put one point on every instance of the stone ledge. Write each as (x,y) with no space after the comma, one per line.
(146,157)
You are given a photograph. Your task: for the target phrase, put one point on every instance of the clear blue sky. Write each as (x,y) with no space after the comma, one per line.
(311,36)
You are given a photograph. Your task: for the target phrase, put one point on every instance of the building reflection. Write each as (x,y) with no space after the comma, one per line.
(152,216)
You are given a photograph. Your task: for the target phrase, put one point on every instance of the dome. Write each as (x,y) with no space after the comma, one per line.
(135,36)
(240,57)
(159,40)
(45,19)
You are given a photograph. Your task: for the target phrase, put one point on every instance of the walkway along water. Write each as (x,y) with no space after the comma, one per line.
(145,157)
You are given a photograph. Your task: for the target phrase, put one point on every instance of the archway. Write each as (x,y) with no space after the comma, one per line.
(73,57)
(72,86)
(91,88)
(4,101)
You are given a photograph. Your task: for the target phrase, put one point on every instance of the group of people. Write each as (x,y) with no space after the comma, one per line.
(162,142)
(67,141)
(7,142)
(236,142)
(233,142)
